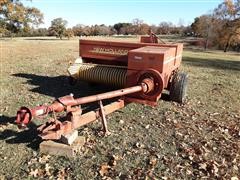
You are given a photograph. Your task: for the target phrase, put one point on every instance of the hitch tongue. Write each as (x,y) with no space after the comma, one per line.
(24,116)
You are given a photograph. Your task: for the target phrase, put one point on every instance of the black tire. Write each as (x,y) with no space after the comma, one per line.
(92,84)
(178,87)
(72,81)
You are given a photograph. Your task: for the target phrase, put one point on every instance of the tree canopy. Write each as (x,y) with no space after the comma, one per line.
(222,26)
(15,17)
(58,27)
(228,29)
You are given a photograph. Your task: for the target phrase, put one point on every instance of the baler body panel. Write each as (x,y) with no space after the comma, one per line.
(115,53)
(150,57)
(160,59)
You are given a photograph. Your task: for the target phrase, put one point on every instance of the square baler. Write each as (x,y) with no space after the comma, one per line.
(139,71)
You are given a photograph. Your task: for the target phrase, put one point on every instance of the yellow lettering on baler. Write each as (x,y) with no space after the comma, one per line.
(109,51)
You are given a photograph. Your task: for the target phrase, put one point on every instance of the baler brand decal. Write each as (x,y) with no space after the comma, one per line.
(138,57)
(110,51)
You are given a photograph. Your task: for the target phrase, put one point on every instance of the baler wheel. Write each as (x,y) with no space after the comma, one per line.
(178,88)
(72,81)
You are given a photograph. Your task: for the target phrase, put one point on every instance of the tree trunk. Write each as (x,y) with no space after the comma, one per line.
(206,44)
(227,44)
(226,47)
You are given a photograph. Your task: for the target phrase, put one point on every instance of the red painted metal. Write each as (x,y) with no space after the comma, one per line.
(111,94)
(149,69)
(151,38)
(163,59)
(116,53)
(54,129)
(24,115)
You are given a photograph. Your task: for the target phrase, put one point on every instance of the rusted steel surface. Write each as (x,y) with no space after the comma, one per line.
(110,95)
(151,97)
(25,115)
(93,115)
(54,129)
(103,117)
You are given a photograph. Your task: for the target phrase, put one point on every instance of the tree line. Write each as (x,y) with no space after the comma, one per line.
(59,29)
(220,28)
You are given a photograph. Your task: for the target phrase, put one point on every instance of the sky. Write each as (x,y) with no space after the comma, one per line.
(109,12)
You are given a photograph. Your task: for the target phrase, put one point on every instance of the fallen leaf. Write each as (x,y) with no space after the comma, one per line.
(61,174)
(121,121)
(139,145)
(47,168)
(203,166)
(104,169)
(44,158)
(34,173)
(113,160)
(153,161)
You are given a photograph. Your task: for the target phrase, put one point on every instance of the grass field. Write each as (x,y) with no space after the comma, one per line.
(200,138)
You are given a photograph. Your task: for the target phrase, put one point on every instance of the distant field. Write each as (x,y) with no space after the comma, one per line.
(198,139)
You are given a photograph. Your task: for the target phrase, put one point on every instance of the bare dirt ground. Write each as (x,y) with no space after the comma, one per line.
(200,138)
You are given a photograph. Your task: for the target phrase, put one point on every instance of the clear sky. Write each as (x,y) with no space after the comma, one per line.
(90,12)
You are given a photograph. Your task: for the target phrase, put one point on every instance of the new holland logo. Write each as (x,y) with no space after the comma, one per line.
(121,52)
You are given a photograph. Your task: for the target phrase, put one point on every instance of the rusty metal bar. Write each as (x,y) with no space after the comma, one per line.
(110,95)
(93,115)
(76,121)
(104,121)
(25,115)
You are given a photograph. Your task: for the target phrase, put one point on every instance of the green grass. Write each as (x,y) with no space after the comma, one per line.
(197,139)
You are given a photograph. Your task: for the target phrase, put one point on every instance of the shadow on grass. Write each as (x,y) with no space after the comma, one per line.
(55,87)
(45,39)
(212,63)
(198,49)
(50,86)
(58,86)
(28,136)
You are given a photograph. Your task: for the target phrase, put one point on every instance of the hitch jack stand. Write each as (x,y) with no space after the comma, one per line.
(104,121)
